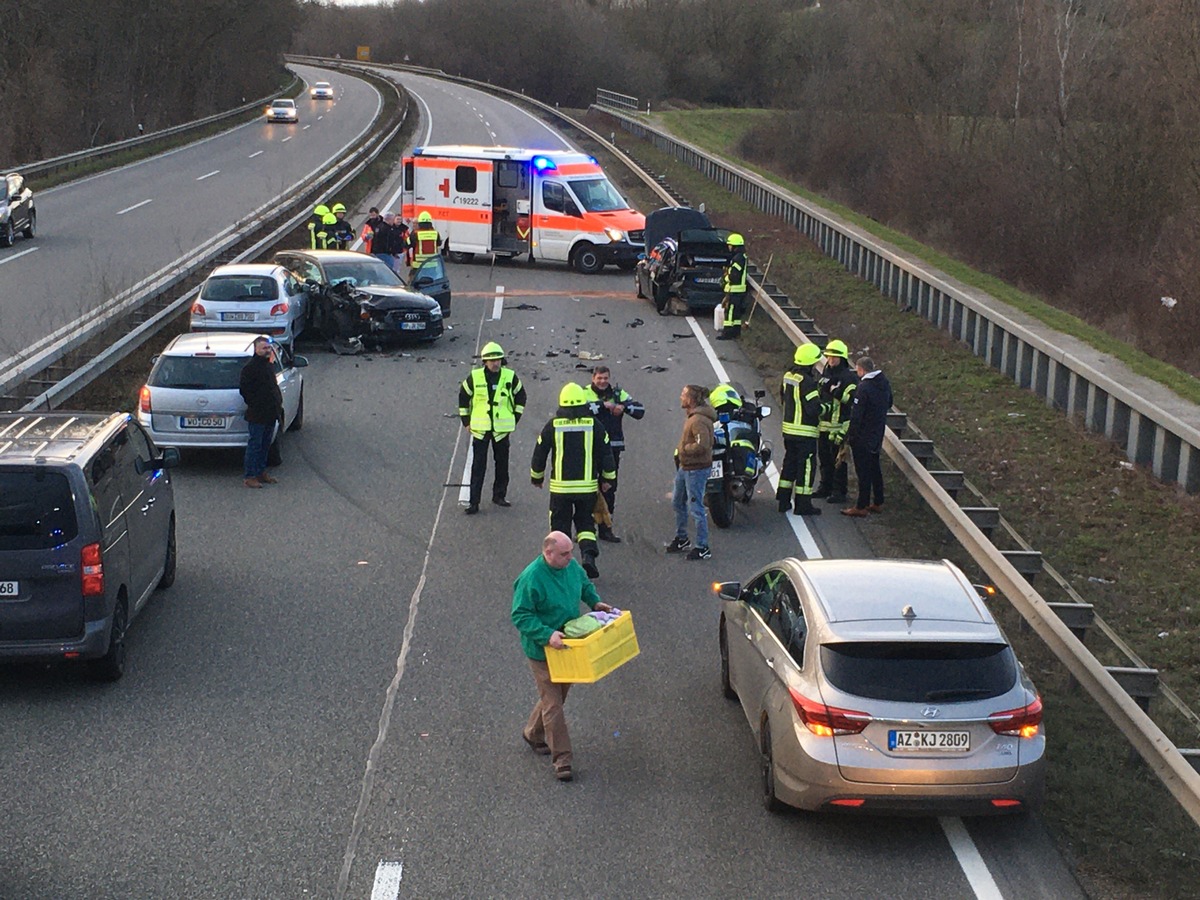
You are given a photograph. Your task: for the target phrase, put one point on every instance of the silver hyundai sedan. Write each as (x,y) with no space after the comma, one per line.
(880,686)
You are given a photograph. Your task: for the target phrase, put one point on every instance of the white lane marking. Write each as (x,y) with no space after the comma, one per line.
(9,259)
(286,139)
(209,175)
(464,492)
(132,208)
(498,303)
(306,127)
(969,859)
(798,523)
(254,154)
(387,880)
(389,702)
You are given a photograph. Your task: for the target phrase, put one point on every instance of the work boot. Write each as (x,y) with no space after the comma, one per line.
(804,507)
(607,535)
(472,509)
(855,512)
(835,498)
(821,492)
(589,566)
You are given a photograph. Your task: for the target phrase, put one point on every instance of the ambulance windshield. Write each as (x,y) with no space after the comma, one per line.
(597,195)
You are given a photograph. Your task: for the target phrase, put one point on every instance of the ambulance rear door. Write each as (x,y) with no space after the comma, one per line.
(458,194)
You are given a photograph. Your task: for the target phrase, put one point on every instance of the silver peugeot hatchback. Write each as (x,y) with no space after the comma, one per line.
(880,686)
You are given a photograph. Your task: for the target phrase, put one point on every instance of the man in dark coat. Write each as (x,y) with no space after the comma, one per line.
(264,408)
(868,422)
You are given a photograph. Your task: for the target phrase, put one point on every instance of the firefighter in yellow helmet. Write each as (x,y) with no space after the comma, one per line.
(490,403)
(577,451)
(315,221)
(424,241)
(801,398)
(734,283)
(326,234)
(837,384)
(343,231)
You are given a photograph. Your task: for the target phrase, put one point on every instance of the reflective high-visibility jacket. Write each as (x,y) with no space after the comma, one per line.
(837,385)
(734,279)
(582,456)
(424,245)
(612,424)
(488,402)
(801,403)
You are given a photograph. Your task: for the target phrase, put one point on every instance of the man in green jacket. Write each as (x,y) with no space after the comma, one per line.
(545,597)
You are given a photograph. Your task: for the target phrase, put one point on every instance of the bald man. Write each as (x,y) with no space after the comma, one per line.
(545,597)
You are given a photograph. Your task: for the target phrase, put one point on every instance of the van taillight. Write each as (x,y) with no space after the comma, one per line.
(93,571)
(279,309)
(826,721)
(1024,721)
(144,398)
(198,309)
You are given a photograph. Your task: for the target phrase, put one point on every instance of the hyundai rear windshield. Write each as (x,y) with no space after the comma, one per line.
(920,671)
(37,510)
(199,373)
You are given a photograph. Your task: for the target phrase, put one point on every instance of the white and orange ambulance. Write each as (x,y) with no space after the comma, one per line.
(547,204)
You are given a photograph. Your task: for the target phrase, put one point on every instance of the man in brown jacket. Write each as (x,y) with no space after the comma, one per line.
(693,460)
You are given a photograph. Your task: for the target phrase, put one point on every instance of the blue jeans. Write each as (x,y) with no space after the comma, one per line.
(256,448)
(689,498)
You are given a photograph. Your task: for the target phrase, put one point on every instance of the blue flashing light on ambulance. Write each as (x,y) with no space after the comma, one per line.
(553,205)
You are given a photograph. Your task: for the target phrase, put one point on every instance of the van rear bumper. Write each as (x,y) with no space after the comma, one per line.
(93,643)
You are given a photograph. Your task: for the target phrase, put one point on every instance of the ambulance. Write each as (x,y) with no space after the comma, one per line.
(543,204)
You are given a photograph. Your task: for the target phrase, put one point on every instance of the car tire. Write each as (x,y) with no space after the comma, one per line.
(586,259)
(7,235)
(770,802)
(722,506)
(298,422)
(111,666)
(31,227)
(456,256)
(726,685)
(168,575)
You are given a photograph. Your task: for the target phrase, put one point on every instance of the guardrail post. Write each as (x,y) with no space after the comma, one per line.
(1140,684)
(1193,757)
(1027,562)
(949,481)
(985,518)
(920,448)
(1079,617)
(898,422)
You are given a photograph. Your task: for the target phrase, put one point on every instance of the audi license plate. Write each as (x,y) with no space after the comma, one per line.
(929,740)
(201,421)
(716,280)
(237,317)
(9,589)
(412,326)
(717,471)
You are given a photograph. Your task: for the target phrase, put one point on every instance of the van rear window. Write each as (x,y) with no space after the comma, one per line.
(37,510)
(920,671)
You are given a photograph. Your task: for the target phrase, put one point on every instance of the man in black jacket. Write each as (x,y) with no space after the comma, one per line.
(264,408)
(868,422)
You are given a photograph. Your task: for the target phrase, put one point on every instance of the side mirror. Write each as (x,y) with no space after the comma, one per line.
(759,394)
(421,282)
(764,411)
(299,362)
(170,459)
(985,591)
(728,590)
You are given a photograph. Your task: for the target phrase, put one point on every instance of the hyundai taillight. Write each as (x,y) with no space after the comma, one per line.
(93,571)
(279,309)
(1024,721)
(826,721)
(198,309)
(144,398)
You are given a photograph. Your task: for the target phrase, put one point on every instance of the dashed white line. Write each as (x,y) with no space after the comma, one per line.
(498,304)
(970,860)
(387,880)
(286,139)
(209,175)
(306,127)
(9,259)
(255,153)
(132,208)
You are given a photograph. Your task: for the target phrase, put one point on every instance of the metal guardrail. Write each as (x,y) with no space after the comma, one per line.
(93,154)
(1149,431)
(291,208)
(618,101)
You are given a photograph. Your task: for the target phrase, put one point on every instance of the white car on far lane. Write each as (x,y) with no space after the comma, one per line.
(283,111)
(322,90)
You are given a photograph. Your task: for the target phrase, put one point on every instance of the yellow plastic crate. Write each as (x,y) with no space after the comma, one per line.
(585,660)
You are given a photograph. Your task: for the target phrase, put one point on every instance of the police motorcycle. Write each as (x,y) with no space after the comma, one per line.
(739,452)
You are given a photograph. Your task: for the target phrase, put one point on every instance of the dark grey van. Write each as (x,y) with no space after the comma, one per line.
(87,532)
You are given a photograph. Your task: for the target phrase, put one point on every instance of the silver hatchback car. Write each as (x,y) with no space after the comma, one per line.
(880,686)
(266,299)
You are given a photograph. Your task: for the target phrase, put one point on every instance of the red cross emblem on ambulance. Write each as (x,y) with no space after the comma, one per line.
(444,188)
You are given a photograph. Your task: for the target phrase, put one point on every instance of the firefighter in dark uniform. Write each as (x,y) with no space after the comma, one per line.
(838,382)
(325,235)
(583,462)
(424,241)
(315,224)
(801,399)
(610,405)
(734,283)
(490,403)
(343,231)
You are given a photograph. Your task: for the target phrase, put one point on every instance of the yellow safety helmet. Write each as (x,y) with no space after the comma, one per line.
(735,240)
(329,219)
(837,348)
(807,355)
(338,207)
(572,395)
(320,210)
(425,217)
(492,350)
(725,394)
